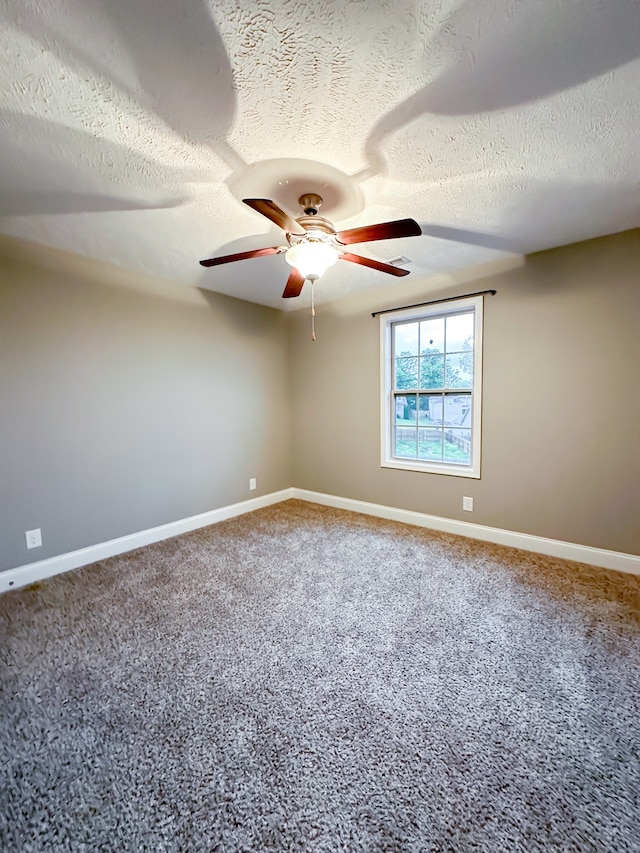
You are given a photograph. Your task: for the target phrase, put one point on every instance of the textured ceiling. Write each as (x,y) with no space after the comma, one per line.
(129,131)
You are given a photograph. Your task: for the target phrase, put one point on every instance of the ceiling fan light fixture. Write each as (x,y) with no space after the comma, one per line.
(311,258)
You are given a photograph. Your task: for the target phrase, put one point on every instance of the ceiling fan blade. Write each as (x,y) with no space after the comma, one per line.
(382,231)
(271,210)
(294,285)
(375,265)
(241,256)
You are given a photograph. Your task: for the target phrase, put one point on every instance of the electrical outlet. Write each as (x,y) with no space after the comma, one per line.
(34,538)
(252,483)
(467,504)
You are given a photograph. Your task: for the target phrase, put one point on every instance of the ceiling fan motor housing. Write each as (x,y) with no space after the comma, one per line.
(316,227)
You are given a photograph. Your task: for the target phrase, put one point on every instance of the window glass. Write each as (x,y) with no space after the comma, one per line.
(459,370)
(406,373)
(407,338)
(432,371)
(459,332)
(432,335)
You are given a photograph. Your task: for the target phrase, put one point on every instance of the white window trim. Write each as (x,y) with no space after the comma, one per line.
(386,418)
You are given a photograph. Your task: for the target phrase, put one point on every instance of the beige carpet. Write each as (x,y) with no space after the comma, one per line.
(304,678)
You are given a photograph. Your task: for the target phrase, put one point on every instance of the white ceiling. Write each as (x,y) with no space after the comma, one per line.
(129,131)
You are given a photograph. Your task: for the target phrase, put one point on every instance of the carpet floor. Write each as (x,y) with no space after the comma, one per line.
(303,678)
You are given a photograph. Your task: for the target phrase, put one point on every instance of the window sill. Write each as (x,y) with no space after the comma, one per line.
(431,468)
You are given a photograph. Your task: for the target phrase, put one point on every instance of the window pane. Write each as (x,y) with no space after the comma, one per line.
(405,406)
(406,374)
(431,408)
(424,414)
(406,338)
(405,442)
(432,371)
(459,370)
(432,335)
(430,444)
(457,410)
(460,332)
(457,446)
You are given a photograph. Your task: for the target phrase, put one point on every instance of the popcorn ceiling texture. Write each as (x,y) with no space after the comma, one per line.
(303,678)
(124,128)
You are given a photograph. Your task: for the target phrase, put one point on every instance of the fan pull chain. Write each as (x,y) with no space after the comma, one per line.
(313,313)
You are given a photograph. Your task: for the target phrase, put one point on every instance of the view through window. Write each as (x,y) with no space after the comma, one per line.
(432,388)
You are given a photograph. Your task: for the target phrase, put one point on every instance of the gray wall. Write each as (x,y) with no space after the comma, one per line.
(561,406)
(127,402)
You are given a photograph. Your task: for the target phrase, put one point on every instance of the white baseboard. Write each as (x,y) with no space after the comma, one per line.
(32,572)
(629,563)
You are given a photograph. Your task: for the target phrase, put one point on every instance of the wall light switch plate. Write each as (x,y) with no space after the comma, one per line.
(467,504)
(252,483)
(33,537)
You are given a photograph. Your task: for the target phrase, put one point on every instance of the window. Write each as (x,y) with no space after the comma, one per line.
(431,383)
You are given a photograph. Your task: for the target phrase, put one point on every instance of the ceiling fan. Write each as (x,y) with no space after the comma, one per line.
(314,244)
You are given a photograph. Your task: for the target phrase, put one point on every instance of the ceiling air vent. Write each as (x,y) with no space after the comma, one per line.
(400,261)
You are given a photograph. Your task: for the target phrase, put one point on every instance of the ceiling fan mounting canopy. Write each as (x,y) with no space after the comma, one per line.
(310,203)
(314,243)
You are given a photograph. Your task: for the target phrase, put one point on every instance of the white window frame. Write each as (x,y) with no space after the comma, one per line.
(386,396)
